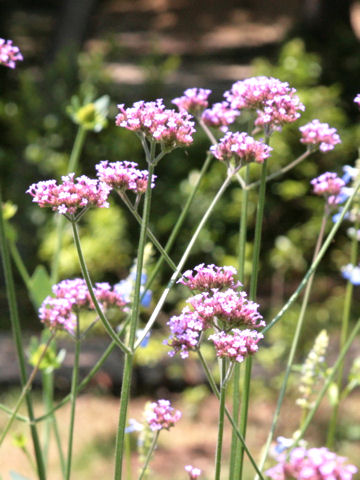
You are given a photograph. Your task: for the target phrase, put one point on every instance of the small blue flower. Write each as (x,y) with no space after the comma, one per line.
(282,444)
(134,426)
(146,339)
(349,173)
(351,273)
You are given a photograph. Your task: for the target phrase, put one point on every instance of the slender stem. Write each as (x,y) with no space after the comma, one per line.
(315,264)
(282,170)
(74,382)
(216,392)
(149,455)
(207,132)
(344,333)
(20,264)
(294,343)
(72,166)
(179,222)
(48,388)
(25,390)
(234,458)
(128,367)
(328,382)
(252,296)
(87,279)
(16,329)
(218,455)
(183,259)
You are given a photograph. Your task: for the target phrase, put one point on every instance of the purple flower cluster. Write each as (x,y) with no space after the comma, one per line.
(161,415)
(312,464)
(124,176)
(274,101)
(207,277)
(357,100)
(329,185)
(193,472)
(219,306)
(319,135)
(9,54)
(241,148)
(237,344)
(194,100)
(170,128)
(72,195)
(71,295)
(220,115)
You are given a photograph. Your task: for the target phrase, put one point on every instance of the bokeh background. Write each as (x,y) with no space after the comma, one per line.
(146,49)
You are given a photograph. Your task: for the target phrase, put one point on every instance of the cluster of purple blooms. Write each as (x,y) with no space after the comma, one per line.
(194,100)
(220,115)
(59,311)
(241,148)
(218,306)
(311,464)
(124,176)
(329,185)
(161,415)
(193,472)
(165,126)
(9,54)
(319,135)
(72,195)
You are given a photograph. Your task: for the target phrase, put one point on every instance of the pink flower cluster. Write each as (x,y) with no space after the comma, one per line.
(70,296)
(274,101)
(241,148)
(220,306)
(72,195)
(193,472)
(207,277)
(319,135)
(124,176)
(220,115)
(312,464)
(170,128)
(161,415)
(194,100)
(237,344)
(329,185)
(9,54)
(357,99)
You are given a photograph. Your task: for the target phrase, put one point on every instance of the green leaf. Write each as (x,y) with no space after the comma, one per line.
(40,285)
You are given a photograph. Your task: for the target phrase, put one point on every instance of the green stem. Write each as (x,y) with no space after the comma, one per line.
(87,279)
(149,455)
(315,264)
(218,455)
(294,343)
(128,367)
(16,329)
(72,166)
(48,389)
(74,382)
(20,265)
(25,390)
(234,458)
(344,333)
(252,296)
(328,382)
(183,259)
(216,392)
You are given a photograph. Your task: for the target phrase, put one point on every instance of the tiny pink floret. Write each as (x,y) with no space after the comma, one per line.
(124,176)
(357,100)
(220,115)
(194,100)
(319,135)
(161,415)
(329,185)
(193,472)
(236,345)
(207,277)
(9,54)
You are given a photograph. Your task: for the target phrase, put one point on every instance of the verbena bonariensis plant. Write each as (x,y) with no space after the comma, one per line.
(219,311)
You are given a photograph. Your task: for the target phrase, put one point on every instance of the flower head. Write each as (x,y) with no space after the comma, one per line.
(193,472)
(161,415)
(57,314)
(9,54)
(194,100)
(207,277)
(352,273)
(231,307)
(275,102)
(241,148)
(357,100)
(329,185)
(311,464)
(220,115)
(319,135)
(72,195)
(124,176)
(186,329)
(170,128)
(237,344)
